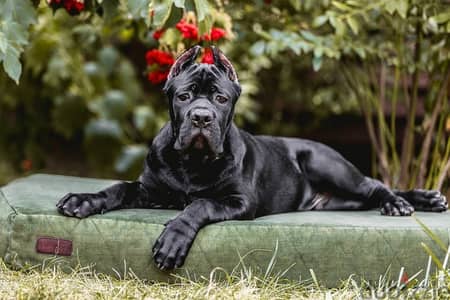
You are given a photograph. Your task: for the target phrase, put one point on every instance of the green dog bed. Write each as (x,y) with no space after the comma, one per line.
(334,245)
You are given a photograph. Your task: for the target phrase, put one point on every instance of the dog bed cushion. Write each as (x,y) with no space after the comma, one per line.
(333,244)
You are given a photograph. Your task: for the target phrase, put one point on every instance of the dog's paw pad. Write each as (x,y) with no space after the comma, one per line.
(76,205)
(398,207)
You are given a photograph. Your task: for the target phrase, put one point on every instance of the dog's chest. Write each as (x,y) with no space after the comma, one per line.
(177,190)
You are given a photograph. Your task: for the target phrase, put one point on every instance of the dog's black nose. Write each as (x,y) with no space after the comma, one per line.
(201,117)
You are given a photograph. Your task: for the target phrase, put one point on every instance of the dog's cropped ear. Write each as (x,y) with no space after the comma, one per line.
(222,62)
(186,59)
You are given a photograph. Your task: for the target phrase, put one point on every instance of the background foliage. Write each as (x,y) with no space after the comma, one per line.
(75,98)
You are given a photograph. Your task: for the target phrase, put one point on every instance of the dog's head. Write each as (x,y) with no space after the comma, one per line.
(202,99)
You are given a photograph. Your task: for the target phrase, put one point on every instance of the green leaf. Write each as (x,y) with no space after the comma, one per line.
(258,48)
(296,4)
(205,26)
(114,105)
(179,3)
(171,37)
(139,8)
(103,143)
(110,9)
(353,24)
(189,5)
(432,25)
(15,33)
(339,26)
(12,66)
(202,8)
(108,57)
(142,117)
(317,63)
(341,6)
(3,42)
(319,20)
(20,11)
(173,17)
(308,35)
(131,157)
(402,8)
(161,13)
(399,6)
(15,17)
(442,17)
(103,128)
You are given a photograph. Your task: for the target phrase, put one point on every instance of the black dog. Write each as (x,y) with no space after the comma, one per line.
(202,164)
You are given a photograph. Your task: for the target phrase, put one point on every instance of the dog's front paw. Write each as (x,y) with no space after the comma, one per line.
(172,246)
(79,205)
(397,207)
(429,200)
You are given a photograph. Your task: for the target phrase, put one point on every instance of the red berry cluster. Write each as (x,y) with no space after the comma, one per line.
(208,57)
(160,61)
(215,34)
(190,32)
(73,7)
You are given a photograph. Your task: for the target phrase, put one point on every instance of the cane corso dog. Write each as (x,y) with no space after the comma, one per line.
(202,164)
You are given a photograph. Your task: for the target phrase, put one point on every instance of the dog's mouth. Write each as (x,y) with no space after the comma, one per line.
(200,141)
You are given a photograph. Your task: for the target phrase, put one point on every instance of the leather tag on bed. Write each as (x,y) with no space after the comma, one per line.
(55,246)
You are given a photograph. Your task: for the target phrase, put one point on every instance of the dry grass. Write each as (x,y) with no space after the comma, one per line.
(83,283)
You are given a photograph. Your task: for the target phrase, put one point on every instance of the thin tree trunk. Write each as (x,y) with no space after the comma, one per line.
(430,130)
(408,140)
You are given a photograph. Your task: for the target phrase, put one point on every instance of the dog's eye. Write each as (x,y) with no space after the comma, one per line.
(213,89)
(221,99)
(183,97)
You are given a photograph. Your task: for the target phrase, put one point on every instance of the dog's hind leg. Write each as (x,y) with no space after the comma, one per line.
(424,200)
(328,172)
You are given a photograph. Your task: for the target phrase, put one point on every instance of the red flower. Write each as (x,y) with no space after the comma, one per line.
(217,33)
(189,31)
(162,60)
(158,33)
(157,76)
(74,7)
(208,57)
(159,57)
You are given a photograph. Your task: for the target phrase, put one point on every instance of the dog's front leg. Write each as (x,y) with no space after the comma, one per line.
(120,195)
(172,246)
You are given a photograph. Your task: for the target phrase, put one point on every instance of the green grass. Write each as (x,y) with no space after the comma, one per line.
(84,283)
